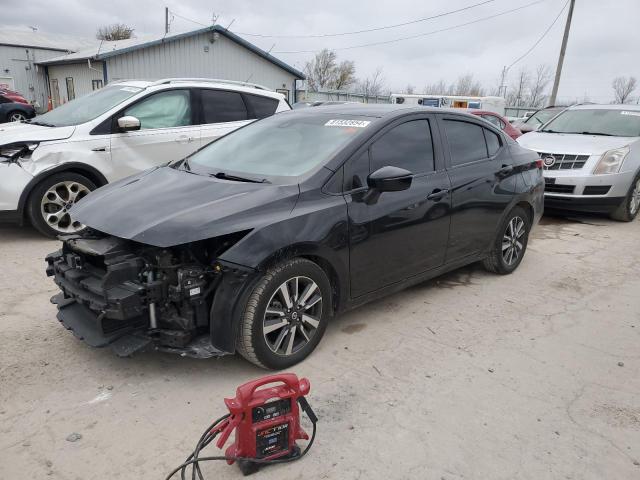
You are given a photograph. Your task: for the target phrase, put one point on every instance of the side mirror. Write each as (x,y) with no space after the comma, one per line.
(390,179)
(128,123)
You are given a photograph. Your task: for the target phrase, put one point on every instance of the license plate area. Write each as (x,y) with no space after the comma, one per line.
(549,180)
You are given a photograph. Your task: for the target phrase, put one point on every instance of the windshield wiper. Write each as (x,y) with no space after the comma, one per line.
(43,124)
(225,176)
(596,133)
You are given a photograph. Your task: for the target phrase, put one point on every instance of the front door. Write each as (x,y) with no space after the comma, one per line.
(166,133)
(399,234)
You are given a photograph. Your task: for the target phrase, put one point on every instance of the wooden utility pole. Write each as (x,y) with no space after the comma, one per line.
(166,20)
(563,48)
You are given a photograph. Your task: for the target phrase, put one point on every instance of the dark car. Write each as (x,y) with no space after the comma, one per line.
(255,241)
(14,111)
(498,121)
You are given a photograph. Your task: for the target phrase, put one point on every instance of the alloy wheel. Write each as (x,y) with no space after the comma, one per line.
(292,316)
(57,201)
(512,241)
(634,201)
(17,117)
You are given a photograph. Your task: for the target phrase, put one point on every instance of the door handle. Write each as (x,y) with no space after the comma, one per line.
(184,139)
(437,194)
(99,149)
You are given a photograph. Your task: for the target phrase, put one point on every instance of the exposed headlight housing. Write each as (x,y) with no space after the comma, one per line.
(13,151)
(611,161)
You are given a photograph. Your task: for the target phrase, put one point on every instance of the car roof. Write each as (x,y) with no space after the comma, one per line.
(616,106)
(380,110)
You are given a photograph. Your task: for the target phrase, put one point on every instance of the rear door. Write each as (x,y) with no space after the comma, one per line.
(399,234)
(483,184)
(167,132)
(223,111)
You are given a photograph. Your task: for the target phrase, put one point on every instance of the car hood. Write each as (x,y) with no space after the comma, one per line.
(24,132)
(571,143)
(166,207)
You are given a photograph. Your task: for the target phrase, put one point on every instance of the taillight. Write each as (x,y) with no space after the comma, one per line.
(539,163)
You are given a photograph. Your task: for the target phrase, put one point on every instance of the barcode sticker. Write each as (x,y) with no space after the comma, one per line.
(347,123)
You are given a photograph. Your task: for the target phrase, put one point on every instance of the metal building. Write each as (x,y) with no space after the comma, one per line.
(212,52)
(21,52)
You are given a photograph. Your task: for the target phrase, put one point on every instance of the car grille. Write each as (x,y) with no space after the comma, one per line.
(564,161)
(557,188)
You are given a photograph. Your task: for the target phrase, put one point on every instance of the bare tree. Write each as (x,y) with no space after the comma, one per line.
(323,72)
(117,31)
(623,87)
(541,79)
(438,88)
(371,86)
(517,93)
(467,85)
(409,89)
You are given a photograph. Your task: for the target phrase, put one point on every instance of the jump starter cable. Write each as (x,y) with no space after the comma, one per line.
(214,429)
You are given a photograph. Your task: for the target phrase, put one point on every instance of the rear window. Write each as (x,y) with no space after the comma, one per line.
(219,106)
(262,106)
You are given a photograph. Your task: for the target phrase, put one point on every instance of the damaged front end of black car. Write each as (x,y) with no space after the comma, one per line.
(133,297)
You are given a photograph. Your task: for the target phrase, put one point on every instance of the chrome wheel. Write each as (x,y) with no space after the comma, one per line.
(292,316)
(17,117)
(634,201)
(57,201)
(512,241)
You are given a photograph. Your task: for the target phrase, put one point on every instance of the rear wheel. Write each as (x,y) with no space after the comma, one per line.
(510,244)
(286,315)
(629,208)
(51,199)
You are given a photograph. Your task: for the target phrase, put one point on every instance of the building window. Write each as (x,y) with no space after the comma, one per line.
(283,91)
(71,93)
(96,84)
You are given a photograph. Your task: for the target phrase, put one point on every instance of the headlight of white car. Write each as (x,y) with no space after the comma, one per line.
(611,161)
(13,151)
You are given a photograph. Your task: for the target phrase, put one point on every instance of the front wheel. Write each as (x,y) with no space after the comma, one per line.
(510,244)
(51,199)
(16,117)
(285,315)
(629,208)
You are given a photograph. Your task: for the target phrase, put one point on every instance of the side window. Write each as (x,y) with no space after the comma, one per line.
(163,110)
(219,106)
(493,120)
(493,142)
(466,142)
(356,171)
(261,106)
(407,146)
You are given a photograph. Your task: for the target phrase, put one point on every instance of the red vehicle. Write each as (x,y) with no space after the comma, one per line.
(13,96)
(499,121)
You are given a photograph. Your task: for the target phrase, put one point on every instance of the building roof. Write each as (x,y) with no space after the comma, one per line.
(110,49)
(47,41)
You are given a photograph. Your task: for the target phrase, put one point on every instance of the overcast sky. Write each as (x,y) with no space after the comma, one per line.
(604,40)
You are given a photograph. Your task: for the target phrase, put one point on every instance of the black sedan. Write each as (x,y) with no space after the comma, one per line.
(11,111)
(255,241)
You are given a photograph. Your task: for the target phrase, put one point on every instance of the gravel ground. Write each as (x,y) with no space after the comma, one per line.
(475,376)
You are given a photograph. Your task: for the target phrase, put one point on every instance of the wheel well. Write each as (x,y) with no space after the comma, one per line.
(331,273)
(528,209)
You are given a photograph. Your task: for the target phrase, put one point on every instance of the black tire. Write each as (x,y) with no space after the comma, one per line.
(496,262)
(37,196)
(254,344)
(624,212)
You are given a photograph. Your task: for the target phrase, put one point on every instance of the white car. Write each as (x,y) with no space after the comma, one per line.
(591,157)
(52,161)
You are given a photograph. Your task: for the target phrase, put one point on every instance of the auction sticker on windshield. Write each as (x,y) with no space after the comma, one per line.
(635,114)
(347,123)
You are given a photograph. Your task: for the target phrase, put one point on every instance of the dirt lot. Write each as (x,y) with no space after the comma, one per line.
(474,376)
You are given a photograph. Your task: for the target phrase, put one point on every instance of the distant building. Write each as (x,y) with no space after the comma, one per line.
(21,51)
(211,52)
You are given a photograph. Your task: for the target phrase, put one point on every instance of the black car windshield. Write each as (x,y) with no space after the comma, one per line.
(89,107)
(601,121)
(284,145)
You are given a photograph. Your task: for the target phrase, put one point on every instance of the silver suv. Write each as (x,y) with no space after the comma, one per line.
(49,163)
(591,157)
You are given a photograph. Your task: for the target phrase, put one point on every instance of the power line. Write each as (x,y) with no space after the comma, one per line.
(541,37)
(188,19)
(421,34)
(374,29)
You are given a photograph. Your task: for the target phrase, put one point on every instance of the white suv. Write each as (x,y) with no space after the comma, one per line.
(57,158)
